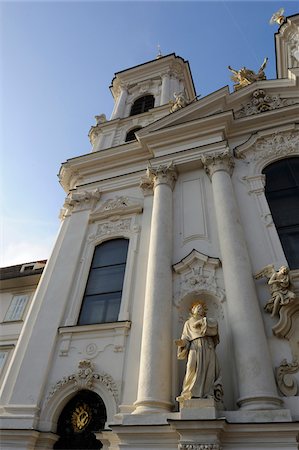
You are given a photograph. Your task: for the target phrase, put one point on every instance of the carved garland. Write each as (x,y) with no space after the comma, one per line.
(84,378)
(199,447)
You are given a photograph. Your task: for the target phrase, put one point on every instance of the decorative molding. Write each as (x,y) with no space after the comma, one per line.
(213,162)
(113,227)
(85,378)
(158,175)
(286,383)
(197,446)
(260,102)
(197,274)
(276,145)
(80,201)
(117,206)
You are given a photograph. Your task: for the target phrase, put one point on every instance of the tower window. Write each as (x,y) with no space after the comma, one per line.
(282,193)
(131,134)
(142,104)
(101,302)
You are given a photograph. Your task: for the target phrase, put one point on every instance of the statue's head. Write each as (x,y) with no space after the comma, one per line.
(284,270)
(199,309)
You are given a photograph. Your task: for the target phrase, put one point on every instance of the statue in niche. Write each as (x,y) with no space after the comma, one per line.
(279,285)
(197,344)
(243,77)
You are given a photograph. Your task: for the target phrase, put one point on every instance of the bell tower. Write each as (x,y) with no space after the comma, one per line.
(142,95)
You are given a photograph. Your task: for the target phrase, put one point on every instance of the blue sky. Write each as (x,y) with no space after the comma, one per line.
(58,59)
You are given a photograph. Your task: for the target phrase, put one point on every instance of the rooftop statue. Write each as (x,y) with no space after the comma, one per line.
(280,288)
(278,17)
(243,77)
(197,344)
(180,101)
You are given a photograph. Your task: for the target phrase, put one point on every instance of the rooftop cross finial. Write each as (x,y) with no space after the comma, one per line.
(159,55)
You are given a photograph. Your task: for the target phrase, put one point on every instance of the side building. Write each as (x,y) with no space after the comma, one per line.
(181,202)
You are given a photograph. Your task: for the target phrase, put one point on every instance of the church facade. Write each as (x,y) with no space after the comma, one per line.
(181,201)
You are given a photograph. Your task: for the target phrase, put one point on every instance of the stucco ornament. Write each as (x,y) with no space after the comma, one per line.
(199,447)
(84,378)
(286,383)
(243,77)
(197,344)
(260,102)
(280,288)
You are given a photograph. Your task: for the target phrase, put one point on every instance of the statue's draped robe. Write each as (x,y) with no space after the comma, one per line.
(202,378)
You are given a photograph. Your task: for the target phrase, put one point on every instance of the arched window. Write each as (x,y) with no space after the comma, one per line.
(103,291)
(142,104)
(131,134)
(282,193)
(82,417)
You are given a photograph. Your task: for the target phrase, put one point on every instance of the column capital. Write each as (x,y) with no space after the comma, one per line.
(163,174)
(79,201)
(218,161)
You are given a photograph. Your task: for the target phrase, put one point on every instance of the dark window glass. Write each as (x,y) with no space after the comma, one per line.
(103,291)
(282,193)
(131,134)
(142,104)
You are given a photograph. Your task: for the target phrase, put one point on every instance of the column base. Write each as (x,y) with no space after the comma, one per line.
(260,402)
(152,406)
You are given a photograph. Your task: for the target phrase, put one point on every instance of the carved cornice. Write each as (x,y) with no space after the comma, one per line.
(158,175)
(286,383)
(260,102)
(84,378)
(218,161)
(80,201)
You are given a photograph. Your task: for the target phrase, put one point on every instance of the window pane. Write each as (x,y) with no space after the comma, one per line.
(103,292)
(106,279)
(100,308)
(110,252)
(282,193)
(284,206)
(16,308)
(3,356)
(290,242)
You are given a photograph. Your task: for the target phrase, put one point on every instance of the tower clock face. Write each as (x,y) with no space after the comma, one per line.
(81,417)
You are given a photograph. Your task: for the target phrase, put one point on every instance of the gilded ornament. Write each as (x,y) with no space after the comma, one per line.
(81,417)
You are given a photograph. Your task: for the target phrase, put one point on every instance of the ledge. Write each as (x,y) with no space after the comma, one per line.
(95,327)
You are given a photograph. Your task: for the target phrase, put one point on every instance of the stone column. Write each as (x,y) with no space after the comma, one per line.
(256,381)
(154,386)
(120,104)
(165,96)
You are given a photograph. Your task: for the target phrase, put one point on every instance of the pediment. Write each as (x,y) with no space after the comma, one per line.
(117,207)
(223,109)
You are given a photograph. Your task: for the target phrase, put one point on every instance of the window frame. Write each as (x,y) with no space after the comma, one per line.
(86,296)
(13,309)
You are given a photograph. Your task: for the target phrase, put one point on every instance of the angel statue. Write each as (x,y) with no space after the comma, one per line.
(243,77)
(180,101)
(279,285)
(197,344)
